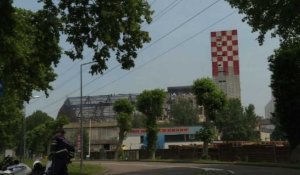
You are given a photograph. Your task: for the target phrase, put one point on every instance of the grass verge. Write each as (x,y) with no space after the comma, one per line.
(87,169)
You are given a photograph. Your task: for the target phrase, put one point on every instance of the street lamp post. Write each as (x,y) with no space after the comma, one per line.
(81,116)
(24,126)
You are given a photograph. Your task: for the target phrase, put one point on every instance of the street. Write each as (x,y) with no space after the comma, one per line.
(159,168)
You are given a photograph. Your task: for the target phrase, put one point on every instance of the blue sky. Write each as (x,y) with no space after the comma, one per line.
(164,64)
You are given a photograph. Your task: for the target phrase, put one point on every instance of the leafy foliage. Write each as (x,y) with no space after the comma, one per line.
(279,17)
(123,106)
(36,119)
(282,19)
(205,134)
(212,99)
(184,112)
(30,40)
(209,95)
(138,120)
(105,27)
(11,122)
(124,109)
(40,131)
(285,83)
(150,103)
(236,123)
(27,51)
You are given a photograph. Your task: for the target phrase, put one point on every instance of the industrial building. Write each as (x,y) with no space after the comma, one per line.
(98,120)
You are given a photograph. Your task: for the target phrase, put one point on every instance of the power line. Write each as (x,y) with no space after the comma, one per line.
(180,25)
(167,51)
(168,33)
(137,67)
(65,82)
(86,84)
(166,10)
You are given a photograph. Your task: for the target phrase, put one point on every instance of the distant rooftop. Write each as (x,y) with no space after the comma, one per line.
(179,89)
(93,107)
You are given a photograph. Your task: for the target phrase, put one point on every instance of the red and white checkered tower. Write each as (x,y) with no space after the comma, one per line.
(225,62)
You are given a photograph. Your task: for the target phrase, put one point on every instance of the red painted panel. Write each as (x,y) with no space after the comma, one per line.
(235,52)
(229,37)
(215,68)
(234,42)
(225,67)
(236,67)
(234,32)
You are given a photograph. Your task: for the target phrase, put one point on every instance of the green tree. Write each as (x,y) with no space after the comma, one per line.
(279,17)
(39,138)
(138,120)
(29,40)
(212,99)
(206,134)
(251,123)
(150,103)
(236,123)
(278,134)
(11,123)
(285,83)
(36,119)
(28,50)
(104,26)
(124,109)
(184,112)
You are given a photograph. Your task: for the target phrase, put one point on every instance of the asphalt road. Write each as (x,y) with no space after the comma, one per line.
(158,168)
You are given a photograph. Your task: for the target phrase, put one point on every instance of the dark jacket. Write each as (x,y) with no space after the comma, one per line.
(61,149)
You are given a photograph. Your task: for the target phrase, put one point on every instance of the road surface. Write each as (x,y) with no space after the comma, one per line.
(159,168)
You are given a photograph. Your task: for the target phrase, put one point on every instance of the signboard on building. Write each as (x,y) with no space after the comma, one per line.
(174,130)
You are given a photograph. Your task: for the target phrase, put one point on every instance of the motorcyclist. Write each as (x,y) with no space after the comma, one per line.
(61,152)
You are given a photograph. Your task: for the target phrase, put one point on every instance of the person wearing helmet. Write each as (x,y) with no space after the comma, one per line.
(61,151)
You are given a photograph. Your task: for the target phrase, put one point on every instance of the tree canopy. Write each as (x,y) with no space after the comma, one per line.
(40,130)
(209,95)
(150,103)
(213,99)
(11,122)
(280,17)
(107,27)
(285,83)
(236,123)
(29,46)
(184,112)
(36,119)
(124,109)
(27,51)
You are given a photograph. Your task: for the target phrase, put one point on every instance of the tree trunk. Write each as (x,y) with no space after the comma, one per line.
(119,144)
(205,150)
(295,154)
